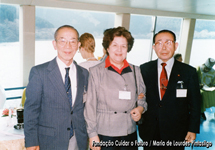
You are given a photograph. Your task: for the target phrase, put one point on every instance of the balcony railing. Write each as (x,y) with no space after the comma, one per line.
(11,89)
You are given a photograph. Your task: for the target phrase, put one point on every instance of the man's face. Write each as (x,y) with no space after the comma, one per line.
(165,46)
(66,44)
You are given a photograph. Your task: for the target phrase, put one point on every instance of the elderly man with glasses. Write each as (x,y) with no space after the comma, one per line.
(53,113)
(173,97)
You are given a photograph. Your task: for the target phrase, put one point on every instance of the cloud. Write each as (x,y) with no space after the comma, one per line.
(204,34)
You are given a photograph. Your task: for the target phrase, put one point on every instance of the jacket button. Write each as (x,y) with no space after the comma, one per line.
(71,112)
(115,112)
(68,129)
(125,111)
(160,105)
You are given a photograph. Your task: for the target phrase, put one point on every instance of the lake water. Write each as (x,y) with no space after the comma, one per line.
(10,57)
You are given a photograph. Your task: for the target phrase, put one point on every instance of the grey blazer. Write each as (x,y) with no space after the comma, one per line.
(104,112)
(47,112)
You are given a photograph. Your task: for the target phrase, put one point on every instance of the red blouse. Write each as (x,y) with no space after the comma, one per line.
(108,64)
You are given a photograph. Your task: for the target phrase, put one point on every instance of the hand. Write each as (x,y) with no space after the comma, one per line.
(136,113)
(141,96)
(94,139)
(190,137)
(33,148)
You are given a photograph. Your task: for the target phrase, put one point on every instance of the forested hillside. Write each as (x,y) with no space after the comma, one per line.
(95,23)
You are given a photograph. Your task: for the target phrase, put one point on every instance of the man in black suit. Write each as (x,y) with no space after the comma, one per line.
(173,97)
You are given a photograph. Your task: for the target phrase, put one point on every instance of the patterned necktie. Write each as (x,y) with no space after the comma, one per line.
(69,93)
(163,80)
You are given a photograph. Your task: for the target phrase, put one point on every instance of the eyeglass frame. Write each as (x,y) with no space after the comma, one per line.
(162,43)
(71,42)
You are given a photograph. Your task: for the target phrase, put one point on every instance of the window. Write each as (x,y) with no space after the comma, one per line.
(203,43)
(140,28)
(10,62)
(173,24)
(49,19)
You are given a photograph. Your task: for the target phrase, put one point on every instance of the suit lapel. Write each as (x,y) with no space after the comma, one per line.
(154,72)
(80,86)
(56,79)
(154,77)
(174,77)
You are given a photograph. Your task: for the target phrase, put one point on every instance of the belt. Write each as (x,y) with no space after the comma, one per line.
(113,112)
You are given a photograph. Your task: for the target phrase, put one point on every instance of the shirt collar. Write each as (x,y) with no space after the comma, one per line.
(168,66)
(169,63)
(108,64)
(62,65)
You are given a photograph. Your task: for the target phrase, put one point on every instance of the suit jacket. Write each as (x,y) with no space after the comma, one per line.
(174,116)
(47,112)
(104,111)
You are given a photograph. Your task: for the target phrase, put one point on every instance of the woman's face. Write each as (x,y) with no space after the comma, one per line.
(118,50)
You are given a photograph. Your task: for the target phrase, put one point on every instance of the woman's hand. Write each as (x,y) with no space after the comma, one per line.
(136,113)
(94,139)
(141,96)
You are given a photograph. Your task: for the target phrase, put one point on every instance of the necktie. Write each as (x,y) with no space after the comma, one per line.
(163,80)
(69,94)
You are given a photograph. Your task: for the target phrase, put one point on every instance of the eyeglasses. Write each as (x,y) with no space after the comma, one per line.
(167,43)
(63,42)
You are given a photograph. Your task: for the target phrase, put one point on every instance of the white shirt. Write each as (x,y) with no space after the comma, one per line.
(168,68)
(72,76)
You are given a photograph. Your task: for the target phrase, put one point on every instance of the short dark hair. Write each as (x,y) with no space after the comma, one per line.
(106,30)
(65,26)
(176,56)
(163,31)
(111,33)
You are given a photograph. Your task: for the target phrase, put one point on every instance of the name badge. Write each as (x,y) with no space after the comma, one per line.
(181,93)
(126,95)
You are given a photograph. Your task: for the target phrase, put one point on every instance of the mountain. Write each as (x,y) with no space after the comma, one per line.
(48,20)
(9,29)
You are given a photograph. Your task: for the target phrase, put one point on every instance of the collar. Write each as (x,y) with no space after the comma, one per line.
(169,63)
(62,65)
(114,68)
(168,67)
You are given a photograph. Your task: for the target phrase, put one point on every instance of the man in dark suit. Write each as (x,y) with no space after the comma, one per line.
(173,97)
(53,113)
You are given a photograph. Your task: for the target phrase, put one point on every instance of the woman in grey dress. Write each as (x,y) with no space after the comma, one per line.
(112,106)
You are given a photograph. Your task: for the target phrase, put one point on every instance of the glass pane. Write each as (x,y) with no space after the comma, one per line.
(10,64)
(173,24)
(140,28)
(203,43)
(49,19)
